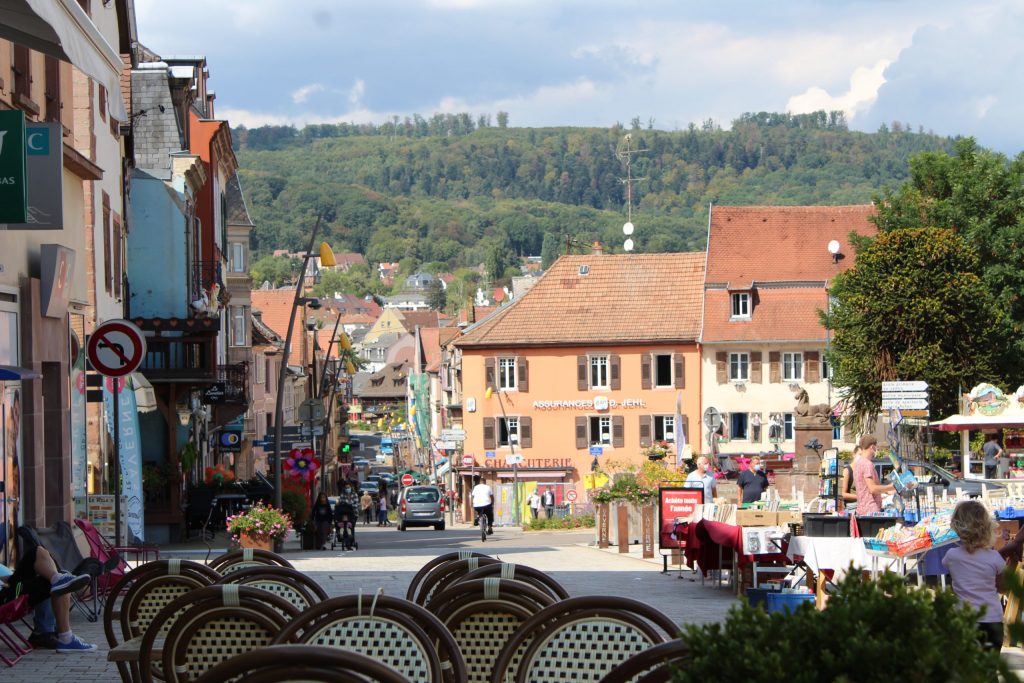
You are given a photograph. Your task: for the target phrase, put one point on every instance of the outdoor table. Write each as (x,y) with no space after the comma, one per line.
(899,563)
(820,552)
(708,541)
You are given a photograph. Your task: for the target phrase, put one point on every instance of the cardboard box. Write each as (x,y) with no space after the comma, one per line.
(789,517)
(755,518)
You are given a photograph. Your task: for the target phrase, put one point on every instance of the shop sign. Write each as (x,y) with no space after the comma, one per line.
(597,403)
(529,462)
(44,170)
(13,182)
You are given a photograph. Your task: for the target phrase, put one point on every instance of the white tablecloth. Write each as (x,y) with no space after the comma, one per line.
(830,553)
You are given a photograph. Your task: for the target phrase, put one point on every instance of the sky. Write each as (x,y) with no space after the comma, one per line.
(948,66)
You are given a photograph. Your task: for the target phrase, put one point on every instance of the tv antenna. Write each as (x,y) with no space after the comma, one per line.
(627,155)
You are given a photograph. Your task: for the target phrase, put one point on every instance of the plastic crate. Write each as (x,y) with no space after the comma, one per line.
(909,546)
(870,525)
(786,602)
(826,525)
(947,535)
(758,596)
(875,544)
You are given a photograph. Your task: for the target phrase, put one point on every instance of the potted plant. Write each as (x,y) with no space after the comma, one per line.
(259,526)
(657,450)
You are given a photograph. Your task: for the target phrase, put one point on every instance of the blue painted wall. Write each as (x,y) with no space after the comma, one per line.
(156,250)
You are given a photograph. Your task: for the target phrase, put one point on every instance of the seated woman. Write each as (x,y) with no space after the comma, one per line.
(37,577)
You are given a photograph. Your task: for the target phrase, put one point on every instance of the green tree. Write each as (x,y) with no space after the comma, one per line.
(549,250)
(980,194)
(436,295)
(912,308)
(274,269)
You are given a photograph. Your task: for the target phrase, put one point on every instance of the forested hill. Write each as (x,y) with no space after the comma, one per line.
(452,190)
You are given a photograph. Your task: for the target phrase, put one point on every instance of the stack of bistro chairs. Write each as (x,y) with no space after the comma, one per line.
(466,617)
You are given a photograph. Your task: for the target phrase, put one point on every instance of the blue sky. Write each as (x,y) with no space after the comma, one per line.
(950,66)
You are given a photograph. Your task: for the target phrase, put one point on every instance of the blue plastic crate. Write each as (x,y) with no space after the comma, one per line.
(875,544)
(758,596)
(786,602)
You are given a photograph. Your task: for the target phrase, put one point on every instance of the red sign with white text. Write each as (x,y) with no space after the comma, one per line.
(676,504)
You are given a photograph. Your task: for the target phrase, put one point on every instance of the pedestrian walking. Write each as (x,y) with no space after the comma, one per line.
(323,518)
(366,505)
(382,512)
(534,503)
(548,500)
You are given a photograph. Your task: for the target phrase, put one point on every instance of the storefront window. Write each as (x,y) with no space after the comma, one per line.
(600,431)
(508,431)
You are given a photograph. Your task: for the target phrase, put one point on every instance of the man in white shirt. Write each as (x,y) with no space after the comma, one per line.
(702,477)
(534,502)
(483,501)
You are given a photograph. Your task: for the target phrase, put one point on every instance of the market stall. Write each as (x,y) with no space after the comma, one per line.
(987,408)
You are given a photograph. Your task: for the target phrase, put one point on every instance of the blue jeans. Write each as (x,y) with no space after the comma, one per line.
(44,621)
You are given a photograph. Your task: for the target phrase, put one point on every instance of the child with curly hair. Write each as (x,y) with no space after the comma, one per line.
(977,569)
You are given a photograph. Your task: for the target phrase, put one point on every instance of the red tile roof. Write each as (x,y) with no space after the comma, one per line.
(422,318)
(275,304)
(751,247)
(430,340)
(621,298)
(781,243)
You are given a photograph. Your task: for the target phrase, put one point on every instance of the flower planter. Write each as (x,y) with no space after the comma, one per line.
(245,541)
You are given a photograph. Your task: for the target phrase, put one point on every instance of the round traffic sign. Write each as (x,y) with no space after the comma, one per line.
(468,460)
(570,495)
(712,419)
(116,348)
(406,480)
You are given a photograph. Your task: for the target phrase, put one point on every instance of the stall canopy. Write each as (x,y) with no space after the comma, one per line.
(958,423)
(62,29)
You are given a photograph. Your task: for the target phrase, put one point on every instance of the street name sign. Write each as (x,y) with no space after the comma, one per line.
(905,394)
(889,403)
(453,435)
(904,386)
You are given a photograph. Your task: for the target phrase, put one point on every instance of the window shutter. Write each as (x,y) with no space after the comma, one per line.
(755,367)
(581,432)
(645,431)
(812,366)
(522,373)
(774,369)
(645,371)
(489,374)
(489,442)
(614,372)
(618,431)
(526,432)
(581,373)
(722,367)
(679,369)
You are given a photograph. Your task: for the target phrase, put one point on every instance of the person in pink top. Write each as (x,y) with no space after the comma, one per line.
(869,491)
(977,569)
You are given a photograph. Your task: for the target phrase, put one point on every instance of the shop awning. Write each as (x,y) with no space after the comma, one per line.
(959,423)
(12,373)
(62,29)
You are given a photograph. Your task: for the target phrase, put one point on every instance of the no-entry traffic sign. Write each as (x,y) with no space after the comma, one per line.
(468,460)
(406,480)
(116,348)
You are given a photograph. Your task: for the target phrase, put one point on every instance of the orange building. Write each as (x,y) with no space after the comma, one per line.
(588,364)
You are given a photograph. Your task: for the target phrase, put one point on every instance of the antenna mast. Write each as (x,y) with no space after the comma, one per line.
(627,155)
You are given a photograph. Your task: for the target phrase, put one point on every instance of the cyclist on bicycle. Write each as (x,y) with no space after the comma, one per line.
(344,520)
(483,502)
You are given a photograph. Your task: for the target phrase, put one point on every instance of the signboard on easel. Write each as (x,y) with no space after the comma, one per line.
(675,505)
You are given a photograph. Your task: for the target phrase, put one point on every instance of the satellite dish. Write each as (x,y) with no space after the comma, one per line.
(833,247)
(712,419)
(628,245)
(627,229)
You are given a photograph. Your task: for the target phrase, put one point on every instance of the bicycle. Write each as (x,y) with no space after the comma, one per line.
(484,520)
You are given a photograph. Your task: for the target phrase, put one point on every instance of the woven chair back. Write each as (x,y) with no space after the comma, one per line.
(294,663)
(234,560)
(417,579)
(292,585)
(519,572)
(654,665)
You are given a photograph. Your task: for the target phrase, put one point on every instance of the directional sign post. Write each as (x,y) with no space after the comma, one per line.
(905,395)
(115,349)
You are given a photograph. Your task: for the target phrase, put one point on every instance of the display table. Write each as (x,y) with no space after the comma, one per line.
(837,554)
(715,546)
(882,560)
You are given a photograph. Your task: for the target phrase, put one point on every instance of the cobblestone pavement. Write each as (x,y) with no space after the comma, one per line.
(582,569)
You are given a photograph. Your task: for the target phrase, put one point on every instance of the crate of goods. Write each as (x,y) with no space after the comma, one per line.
(870,525)
(909,546)
(942,535)
(789,517)
(786,602)
(826,525)
(759,596)
(875,544)
(751,517)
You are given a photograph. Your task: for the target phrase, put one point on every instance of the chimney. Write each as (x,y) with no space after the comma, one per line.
(596,248)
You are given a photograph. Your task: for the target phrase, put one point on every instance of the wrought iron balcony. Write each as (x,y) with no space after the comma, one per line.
(235,379)
(180,350)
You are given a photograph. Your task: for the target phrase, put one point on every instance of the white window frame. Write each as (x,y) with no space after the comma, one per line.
(788,426)
(792,366)
(739,360)
(510,426)
(671,371)
(600,365)
(237,257)
(236,324)
(668,428)
(739,305)
(507,374)
(826,369)
(604,428)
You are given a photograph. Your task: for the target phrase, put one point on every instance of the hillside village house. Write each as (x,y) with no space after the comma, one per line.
(768,273)
(586,366)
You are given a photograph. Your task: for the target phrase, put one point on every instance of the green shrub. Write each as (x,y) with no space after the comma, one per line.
(568,522)
(871,631)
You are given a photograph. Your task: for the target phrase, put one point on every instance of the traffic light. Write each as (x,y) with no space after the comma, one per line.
(345,448)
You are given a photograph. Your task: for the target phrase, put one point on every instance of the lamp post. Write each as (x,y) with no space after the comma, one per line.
(327,259)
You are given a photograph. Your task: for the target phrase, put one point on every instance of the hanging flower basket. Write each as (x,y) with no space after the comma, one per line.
(259,524)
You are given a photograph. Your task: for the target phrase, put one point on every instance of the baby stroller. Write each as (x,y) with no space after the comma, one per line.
(345,527)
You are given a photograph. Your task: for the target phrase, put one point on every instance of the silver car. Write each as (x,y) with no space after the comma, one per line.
(421,506)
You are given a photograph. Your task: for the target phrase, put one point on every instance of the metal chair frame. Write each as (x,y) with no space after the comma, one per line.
(288,663)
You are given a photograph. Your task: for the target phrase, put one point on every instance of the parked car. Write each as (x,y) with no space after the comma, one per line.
(421,506)
(360,462)
(354,443)
(930,475)
(370,487)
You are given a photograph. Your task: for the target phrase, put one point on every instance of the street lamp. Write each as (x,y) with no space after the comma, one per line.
(326,259)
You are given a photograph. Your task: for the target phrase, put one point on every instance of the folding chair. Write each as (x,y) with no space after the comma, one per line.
(59,540)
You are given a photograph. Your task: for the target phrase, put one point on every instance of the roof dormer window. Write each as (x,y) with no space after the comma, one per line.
(740,305)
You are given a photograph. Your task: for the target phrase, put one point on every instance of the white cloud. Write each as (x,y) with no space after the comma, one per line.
(355,95)
(302,94)
(863,91)
(984,104)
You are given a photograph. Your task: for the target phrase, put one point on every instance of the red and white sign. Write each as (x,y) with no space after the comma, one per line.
(571,495)
(468,460)
(116,348)
(406,480)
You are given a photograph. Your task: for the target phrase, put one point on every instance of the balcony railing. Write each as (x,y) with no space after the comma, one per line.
(205,274)
(180,350)
(236,383)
